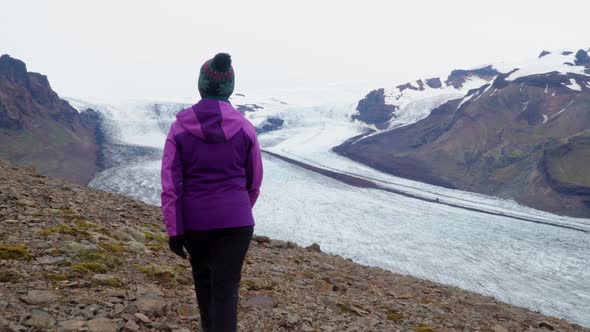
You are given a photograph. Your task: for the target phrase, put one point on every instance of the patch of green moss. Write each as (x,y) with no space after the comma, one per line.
(105,231)
(15,252)
(155,247)
(395,317)
(67,211)
(94,261)
(161,275)
(87,268)
(61,229)
(83,225)
(158,237)
(392,314)
(55,276)
(309,273)
(113,247)
(247,283)
(97,256)
(78,229)
(423,328)
(9,276)
(344,308)
(110,282)
(156,227)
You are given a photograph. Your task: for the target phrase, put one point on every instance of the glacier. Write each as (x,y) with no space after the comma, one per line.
(541,264)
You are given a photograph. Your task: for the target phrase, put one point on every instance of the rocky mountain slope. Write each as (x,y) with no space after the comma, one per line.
(38,128)
(524,135)
(77,259)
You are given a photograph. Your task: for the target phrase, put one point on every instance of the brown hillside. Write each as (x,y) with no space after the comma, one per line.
(525,140)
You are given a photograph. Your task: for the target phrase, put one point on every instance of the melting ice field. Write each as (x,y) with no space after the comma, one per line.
(538,266)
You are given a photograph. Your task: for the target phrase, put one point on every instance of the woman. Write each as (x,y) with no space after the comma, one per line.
(211,176)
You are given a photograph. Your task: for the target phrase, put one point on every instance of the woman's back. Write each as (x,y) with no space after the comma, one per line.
(217,150)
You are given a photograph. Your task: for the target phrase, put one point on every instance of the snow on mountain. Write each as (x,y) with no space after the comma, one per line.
(404,104)
(415,103)
(411,102)
(562,62)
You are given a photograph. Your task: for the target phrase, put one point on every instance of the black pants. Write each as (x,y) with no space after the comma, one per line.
(217,257)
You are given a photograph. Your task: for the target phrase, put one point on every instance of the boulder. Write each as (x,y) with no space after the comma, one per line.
(37,297)
(186,310)
(151,305)
(39,319)
(314,247)
(131,326)
(102,325)
(72,325)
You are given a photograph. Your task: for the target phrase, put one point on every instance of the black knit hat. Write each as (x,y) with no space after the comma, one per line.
(216,78)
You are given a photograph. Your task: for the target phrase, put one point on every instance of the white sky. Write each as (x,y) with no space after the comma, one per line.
(117,49)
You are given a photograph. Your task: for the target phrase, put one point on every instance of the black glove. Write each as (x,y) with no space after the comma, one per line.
(177,244)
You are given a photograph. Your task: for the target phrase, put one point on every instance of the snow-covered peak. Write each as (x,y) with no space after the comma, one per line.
(412,102)
(563,62)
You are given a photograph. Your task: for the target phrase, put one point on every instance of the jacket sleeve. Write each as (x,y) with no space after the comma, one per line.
(171,176)
(253,168)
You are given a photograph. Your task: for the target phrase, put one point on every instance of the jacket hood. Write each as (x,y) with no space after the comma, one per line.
(212,120)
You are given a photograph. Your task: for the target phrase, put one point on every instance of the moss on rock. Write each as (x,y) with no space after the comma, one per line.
(86,268)
(423,328)
(165,276)
(15,252)
(113,247)
(157,237)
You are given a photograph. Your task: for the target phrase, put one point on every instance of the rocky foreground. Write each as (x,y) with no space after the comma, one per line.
(77,259)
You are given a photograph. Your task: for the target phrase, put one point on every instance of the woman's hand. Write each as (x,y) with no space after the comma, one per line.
(177,244)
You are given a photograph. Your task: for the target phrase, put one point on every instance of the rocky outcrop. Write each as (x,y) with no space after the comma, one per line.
(270,124)
(373,109)
(543,53)
(248,108)
(582,58)
(457,77)
(434,83)
(78,259)
(524,139)
(38,128)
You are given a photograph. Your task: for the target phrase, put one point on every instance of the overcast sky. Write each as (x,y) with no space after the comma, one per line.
(153,49)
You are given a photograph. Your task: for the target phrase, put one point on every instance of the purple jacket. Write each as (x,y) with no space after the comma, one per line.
(211,169)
